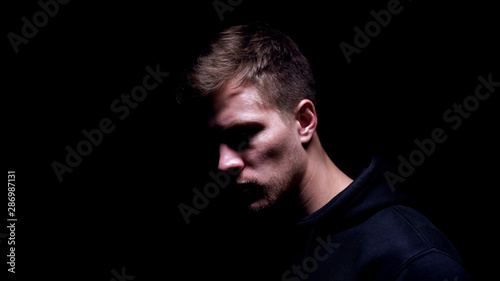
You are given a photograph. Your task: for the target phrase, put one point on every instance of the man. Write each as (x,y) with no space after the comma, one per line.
(260,92)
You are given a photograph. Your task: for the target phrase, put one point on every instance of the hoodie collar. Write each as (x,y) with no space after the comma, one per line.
(367,194)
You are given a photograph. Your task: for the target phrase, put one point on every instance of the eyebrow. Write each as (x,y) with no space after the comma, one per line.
(238,124)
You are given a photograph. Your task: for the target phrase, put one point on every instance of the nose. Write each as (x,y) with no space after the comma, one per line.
(229,158)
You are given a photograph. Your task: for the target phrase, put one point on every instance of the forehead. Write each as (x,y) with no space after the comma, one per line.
(237,104)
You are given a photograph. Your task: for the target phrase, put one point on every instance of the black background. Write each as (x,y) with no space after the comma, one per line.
(119,207)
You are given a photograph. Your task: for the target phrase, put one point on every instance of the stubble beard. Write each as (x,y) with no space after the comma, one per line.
(264,196)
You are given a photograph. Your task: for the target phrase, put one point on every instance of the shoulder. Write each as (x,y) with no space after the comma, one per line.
(399,242)
(401,227)
(432,265)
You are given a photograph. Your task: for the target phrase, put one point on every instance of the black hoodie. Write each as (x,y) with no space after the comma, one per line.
(367,232)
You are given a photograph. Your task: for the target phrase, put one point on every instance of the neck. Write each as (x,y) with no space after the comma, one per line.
(322,181)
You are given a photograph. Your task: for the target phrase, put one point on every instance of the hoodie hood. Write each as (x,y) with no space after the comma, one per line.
(367,194)
(364,233)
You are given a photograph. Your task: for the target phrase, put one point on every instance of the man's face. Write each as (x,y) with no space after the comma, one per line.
(259,141)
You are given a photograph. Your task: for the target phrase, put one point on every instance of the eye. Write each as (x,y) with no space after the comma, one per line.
(239,138)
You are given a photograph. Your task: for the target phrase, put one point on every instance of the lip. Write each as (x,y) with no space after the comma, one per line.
(247,186)
(250,191)
(244,189)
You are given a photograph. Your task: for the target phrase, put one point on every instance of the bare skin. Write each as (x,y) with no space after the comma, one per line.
(274,151)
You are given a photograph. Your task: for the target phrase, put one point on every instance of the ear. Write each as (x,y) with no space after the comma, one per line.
(306,120)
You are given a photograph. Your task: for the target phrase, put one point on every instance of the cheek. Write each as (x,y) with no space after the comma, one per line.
(274,150)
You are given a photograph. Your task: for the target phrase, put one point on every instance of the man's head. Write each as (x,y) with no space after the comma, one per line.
(261,92)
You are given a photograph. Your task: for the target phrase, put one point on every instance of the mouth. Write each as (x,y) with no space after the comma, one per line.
(249,192)
(246,187)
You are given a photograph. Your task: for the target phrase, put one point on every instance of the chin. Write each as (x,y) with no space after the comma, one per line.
(260,205)
(261,199)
